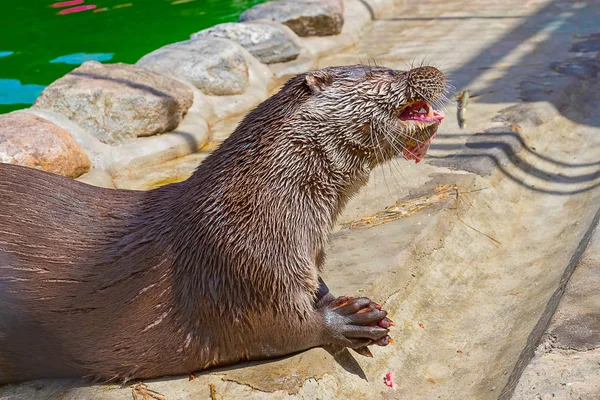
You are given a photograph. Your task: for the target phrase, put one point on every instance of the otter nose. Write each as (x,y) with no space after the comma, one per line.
(426,74)
(428,82)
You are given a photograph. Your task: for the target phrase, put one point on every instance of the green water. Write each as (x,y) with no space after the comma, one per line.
(39,45)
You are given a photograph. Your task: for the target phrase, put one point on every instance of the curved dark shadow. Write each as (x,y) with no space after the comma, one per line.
(503,151)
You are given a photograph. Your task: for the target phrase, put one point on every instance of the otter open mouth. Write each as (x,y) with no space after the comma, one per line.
(424,122)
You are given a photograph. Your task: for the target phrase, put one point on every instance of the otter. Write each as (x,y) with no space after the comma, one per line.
(117,285)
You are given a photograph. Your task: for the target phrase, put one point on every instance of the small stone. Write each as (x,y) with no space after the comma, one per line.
(305,18)
(587,46)
(118,102)
(579,67)
(215,66)
(34,142)
(268,43)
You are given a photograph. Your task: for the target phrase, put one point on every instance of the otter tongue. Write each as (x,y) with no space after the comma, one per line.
(418,152)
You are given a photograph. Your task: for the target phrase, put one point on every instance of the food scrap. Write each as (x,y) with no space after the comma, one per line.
(141,391)
(389,381)
(213,391)
(421,326)
(463,100)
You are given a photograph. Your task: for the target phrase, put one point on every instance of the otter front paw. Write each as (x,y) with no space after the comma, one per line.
(356,323)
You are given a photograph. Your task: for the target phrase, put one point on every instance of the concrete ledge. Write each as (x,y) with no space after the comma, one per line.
(379,8)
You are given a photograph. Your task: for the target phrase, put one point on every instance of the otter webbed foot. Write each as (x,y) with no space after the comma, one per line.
(356,323)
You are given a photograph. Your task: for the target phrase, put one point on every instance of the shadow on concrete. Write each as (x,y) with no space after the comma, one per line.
(466,17)
(571,86)
(492,150)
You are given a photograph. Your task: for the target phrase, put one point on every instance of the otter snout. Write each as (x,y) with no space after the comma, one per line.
(425,84)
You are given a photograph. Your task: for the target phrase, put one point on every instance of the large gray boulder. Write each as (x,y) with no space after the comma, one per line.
(305,18)
(34,142)
(269,43)
(215,66)
(118,102)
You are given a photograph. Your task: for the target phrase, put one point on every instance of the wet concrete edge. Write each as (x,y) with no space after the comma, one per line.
(536,335)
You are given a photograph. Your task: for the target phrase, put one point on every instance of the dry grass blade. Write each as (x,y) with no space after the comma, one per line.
(213,392)
(462,197)
(404,209)
(140,391)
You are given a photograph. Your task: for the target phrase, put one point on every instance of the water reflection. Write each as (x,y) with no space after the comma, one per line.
(80,58)
(77,9)
(62,4)
(12,91)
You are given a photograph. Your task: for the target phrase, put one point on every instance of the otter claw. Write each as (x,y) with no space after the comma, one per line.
(384,341)
(386,323)
(357,323)
(364,351)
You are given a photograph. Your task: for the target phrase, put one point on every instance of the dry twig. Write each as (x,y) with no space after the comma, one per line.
(140,391)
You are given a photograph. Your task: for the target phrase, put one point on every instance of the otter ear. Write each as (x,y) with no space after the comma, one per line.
(317,81)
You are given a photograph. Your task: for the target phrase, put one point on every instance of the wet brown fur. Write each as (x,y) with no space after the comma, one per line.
(118,284)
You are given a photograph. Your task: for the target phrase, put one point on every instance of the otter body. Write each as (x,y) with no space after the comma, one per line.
(223,267)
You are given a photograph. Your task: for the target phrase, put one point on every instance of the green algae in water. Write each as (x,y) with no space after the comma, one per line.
(39,44)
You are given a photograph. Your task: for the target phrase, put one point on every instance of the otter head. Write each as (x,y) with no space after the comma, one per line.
(379,112)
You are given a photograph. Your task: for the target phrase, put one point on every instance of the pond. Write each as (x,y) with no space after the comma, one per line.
(42,39)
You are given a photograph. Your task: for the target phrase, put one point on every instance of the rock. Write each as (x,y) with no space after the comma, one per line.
(34,142)
(118,102)
(215,66)
(305,18)
(269,43)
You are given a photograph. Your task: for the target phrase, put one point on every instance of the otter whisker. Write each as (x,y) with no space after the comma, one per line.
(395,131)
(396,164)
(375,151)
(411,137)
(391,141)
(425,58)
(382,160)
(438,103)
(390,163)
(405,63)
(401,145)
(366,69)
